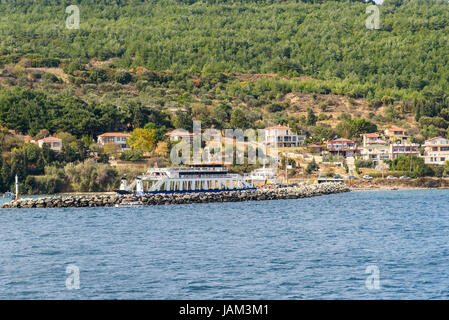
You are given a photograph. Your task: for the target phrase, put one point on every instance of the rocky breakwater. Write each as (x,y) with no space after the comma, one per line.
(295,192)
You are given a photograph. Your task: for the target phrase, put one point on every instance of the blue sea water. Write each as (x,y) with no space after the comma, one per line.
(316,248)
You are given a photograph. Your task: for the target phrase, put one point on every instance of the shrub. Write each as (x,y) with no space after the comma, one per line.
(131,155)
(123,77)
(364,163)
(275,107)
(312,166)
(50,77)
(47,184)
(89,176)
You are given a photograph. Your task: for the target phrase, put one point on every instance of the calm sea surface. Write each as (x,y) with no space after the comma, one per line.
(317,248)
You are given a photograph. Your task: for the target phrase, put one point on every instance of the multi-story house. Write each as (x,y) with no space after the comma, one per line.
(118,138)
(374,148)
(372,138)
(282,136)
(378,153)
(403,149)
(436,151)
(342,147)
(396,134)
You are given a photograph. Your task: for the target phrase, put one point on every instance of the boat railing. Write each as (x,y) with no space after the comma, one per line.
(187,169)
(193,177)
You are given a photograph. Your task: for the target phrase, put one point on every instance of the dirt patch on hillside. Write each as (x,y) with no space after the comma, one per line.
(58,72)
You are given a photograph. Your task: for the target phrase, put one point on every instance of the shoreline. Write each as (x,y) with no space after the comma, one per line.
(112,193)
(399,188)
(394,188)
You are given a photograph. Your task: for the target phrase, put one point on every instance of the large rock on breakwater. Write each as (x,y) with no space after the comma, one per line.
(180,198)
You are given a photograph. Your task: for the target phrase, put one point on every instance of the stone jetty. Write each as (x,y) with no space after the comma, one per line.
(293,192)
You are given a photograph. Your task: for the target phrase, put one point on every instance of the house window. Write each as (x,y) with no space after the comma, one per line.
(444,148)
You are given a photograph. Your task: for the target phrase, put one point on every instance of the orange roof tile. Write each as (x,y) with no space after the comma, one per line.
(277,127)
(371,135)
(50,139)
(434,138)
(179,133)
(114,134)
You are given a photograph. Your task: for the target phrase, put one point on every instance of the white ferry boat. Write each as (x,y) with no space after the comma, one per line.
(194,178)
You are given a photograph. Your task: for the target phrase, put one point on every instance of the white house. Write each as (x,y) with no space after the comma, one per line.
(179,134)
(372,138)
(114,137)
(377,152)
(436,151)
(282,136)
(54,143)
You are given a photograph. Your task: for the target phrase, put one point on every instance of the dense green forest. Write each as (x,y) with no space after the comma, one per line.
(159,64)
(324,39)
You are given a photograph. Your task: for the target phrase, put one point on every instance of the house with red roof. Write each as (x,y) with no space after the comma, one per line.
(396,134)
(180,134)
(372,138)
(118,138)
(376,152)
(54,143)
(282,136)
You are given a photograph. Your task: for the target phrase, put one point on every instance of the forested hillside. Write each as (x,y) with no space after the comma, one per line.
(323,39)
(125,51)
(159,64)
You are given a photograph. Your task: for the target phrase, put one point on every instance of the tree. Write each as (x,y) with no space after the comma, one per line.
(160,130)
(2,183)
(123,77)
(446,168)
(112,149)
(312,166)
(311,118)
(238,120)
(44,133)
(183,120)
(131,155)
(321,133)
(162,149)
(6,175)
(66,137)
(142,140)
(413,164)
(350,128)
